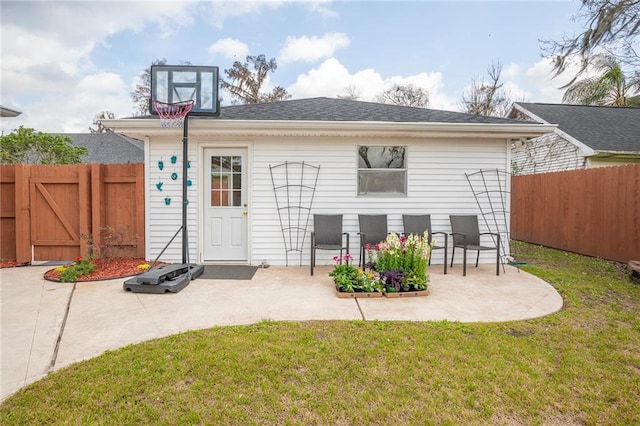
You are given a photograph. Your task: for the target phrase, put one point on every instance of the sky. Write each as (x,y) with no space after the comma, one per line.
(62,62)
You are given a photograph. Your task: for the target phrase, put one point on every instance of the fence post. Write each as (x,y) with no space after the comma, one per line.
(96,207)
(140,211)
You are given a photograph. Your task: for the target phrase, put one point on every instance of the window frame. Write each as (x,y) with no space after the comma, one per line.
(404,170)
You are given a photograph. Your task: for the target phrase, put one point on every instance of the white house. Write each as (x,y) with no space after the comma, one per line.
(587,136)
(233,214)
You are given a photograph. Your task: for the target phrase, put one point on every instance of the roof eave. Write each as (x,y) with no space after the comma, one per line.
(145,128)
(619,154)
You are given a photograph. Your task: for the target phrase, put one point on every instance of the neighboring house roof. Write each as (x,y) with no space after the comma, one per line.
(8,112)
(108,147)
(602,129)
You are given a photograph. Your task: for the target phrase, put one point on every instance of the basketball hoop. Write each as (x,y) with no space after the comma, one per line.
(172,115)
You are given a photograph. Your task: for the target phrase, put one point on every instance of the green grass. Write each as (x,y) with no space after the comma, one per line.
(578,366)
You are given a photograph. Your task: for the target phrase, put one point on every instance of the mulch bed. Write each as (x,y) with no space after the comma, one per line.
(11,264)
(105,269)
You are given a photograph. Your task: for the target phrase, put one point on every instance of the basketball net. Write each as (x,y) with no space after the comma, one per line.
(173,115)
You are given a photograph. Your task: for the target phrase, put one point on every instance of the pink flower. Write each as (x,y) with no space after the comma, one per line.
(336,259)
(347,257)
(368,246)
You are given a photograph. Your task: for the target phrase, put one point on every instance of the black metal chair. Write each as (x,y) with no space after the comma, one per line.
(418,224)
(327,235)
(373,229)
(466,235)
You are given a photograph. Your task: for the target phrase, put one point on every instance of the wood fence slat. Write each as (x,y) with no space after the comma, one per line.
(595,212)
(7,213)
(84,189)
(23,222)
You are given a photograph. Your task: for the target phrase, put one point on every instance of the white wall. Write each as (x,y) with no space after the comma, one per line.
(548,153)
(436,185)
(163,221)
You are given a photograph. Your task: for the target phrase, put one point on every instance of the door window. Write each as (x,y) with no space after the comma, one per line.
(226,181)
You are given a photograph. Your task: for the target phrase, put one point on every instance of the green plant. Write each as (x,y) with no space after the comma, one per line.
(79,268)
(402,261)
(350,279)
(25,145)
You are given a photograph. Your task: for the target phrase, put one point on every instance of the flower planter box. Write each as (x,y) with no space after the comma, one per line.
(358,295)
(416,293)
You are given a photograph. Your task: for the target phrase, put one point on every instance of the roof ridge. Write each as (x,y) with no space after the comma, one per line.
(578,105)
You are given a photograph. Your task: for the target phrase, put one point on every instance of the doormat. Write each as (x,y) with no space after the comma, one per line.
(228,272)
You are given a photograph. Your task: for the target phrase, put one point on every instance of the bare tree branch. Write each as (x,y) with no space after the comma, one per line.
(487,98)
(613,25)
(405,95)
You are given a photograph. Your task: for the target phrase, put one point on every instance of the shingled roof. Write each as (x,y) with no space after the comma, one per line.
(329,109)
(108,147)
(605,129)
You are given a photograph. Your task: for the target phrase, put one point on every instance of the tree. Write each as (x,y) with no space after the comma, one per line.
(244,85)
(142,94)
(405,95)
(99,127)
(25,145)
(487,98)
(351,93)
(612,25)
(610,87)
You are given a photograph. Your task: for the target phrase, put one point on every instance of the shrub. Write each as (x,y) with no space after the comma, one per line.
(79,268)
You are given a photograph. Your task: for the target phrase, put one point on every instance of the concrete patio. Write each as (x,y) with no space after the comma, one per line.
(47,326)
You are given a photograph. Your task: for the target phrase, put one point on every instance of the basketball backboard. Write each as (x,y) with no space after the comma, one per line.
(177,83)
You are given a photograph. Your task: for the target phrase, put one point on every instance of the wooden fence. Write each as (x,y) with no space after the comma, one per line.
(60,212)
(595,212)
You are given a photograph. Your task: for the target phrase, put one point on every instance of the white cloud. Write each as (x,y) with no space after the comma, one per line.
(332,79)
(46,55)
(220,11)
(323,9)
(311,49)
(230,48)
(539,79)
(511,71)
(74,111)
(535,83)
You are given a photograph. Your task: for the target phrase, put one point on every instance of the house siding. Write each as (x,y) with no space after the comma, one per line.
(436,184)
(548,153)
(163,221)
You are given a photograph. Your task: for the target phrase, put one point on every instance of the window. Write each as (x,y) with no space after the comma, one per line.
(382,170)
(226,181)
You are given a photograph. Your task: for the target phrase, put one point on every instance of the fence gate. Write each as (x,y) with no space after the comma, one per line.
(59,203)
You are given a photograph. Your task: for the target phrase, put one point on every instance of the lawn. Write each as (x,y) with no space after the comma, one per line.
(578,366)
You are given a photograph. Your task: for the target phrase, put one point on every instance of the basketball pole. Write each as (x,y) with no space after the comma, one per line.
(185,150)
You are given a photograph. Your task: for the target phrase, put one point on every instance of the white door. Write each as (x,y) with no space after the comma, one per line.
(225,205)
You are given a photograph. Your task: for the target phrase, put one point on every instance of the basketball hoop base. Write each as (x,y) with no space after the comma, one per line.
(164,279)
